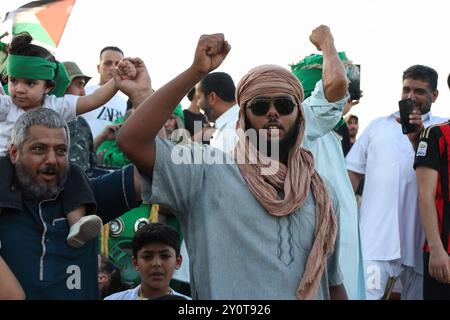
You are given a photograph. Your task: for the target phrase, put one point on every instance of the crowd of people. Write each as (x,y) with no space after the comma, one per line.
(254,191)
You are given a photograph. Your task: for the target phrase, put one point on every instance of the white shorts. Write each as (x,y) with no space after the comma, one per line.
(407,281)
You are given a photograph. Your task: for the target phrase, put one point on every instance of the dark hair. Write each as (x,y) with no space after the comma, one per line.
(21,45)
(221,83)
(115,283)
(110,48)
(191,93)
(423,73)
(156,232)
(448,80)
(351,117)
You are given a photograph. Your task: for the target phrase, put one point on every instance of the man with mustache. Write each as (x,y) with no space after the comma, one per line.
(352,125)
(33,227)
(390,228)
(259,225)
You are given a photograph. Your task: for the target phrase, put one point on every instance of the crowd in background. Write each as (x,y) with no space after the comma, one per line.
(102,196)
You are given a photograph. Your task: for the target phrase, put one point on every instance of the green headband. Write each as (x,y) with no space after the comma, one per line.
(30,67)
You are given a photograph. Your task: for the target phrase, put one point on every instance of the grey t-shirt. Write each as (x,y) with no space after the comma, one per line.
(237,250)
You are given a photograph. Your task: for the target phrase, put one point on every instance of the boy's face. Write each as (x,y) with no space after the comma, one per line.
(156,263)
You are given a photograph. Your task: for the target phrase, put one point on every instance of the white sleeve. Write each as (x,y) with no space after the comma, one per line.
(321,116)
(356,159)
(5,106)
(66,106)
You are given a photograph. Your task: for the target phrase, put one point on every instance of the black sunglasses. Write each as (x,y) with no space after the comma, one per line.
(283,105)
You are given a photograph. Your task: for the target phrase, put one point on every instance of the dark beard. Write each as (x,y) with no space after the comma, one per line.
(285,144)
(209,112)
(32,189)
(425,110)
(289,141)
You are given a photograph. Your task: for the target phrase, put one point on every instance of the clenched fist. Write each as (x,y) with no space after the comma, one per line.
(210,52)
(321,36)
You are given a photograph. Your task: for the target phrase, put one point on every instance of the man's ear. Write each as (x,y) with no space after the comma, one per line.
(98,68)
(434,95)
(13,154)
(212,98)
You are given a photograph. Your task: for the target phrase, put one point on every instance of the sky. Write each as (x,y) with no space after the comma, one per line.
(385,37)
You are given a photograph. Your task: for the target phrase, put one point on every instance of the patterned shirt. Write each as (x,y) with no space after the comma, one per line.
(81,151)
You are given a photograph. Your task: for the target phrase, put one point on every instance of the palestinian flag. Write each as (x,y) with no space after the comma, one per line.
(44,20)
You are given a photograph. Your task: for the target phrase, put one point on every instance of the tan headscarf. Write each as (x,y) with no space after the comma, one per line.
(295,180)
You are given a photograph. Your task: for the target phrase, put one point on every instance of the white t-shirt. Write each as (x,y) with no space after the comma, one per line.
(9,113)
(133,294)
(105,115)
(389,222)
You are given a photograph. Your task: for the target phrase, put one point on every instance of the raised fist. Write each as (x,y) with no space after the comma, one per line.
(320,36)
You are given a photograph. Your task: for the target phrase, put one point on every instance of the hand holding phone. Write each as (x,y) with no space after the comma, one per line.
(406,109)
(354,77)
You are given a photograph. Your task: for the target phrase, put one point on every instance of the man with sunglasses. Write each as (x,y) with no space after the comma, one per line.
(260,225)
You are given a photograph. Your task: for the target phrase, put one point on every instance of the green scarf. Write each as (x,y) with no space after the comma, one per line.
(30,67)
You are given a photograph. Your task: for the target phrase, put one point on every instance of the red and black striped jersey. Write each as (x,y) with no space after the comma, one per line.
(434,152)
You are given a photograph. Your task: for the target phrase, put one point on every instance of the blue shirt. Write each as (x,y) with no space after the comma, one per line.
(33,239)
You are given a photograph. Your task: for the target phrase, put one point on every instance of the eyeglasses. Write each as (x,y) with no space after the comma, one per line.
(283,105)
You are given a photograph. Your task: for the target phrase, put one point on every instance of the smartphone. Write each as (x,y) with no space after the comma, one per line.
(406,108)
(354,76)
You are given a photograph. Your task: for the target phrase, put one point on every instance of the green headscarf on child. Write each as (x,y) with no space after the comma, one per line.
(31,67)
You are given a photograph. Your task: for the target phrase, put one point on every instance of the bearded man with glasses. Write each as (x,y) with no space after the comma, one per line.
(261,225)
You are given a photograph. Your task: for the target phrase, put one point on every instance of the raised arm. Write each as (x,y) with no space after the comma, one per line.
(97,98)
(333,72)
(103,94)
(137,135)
